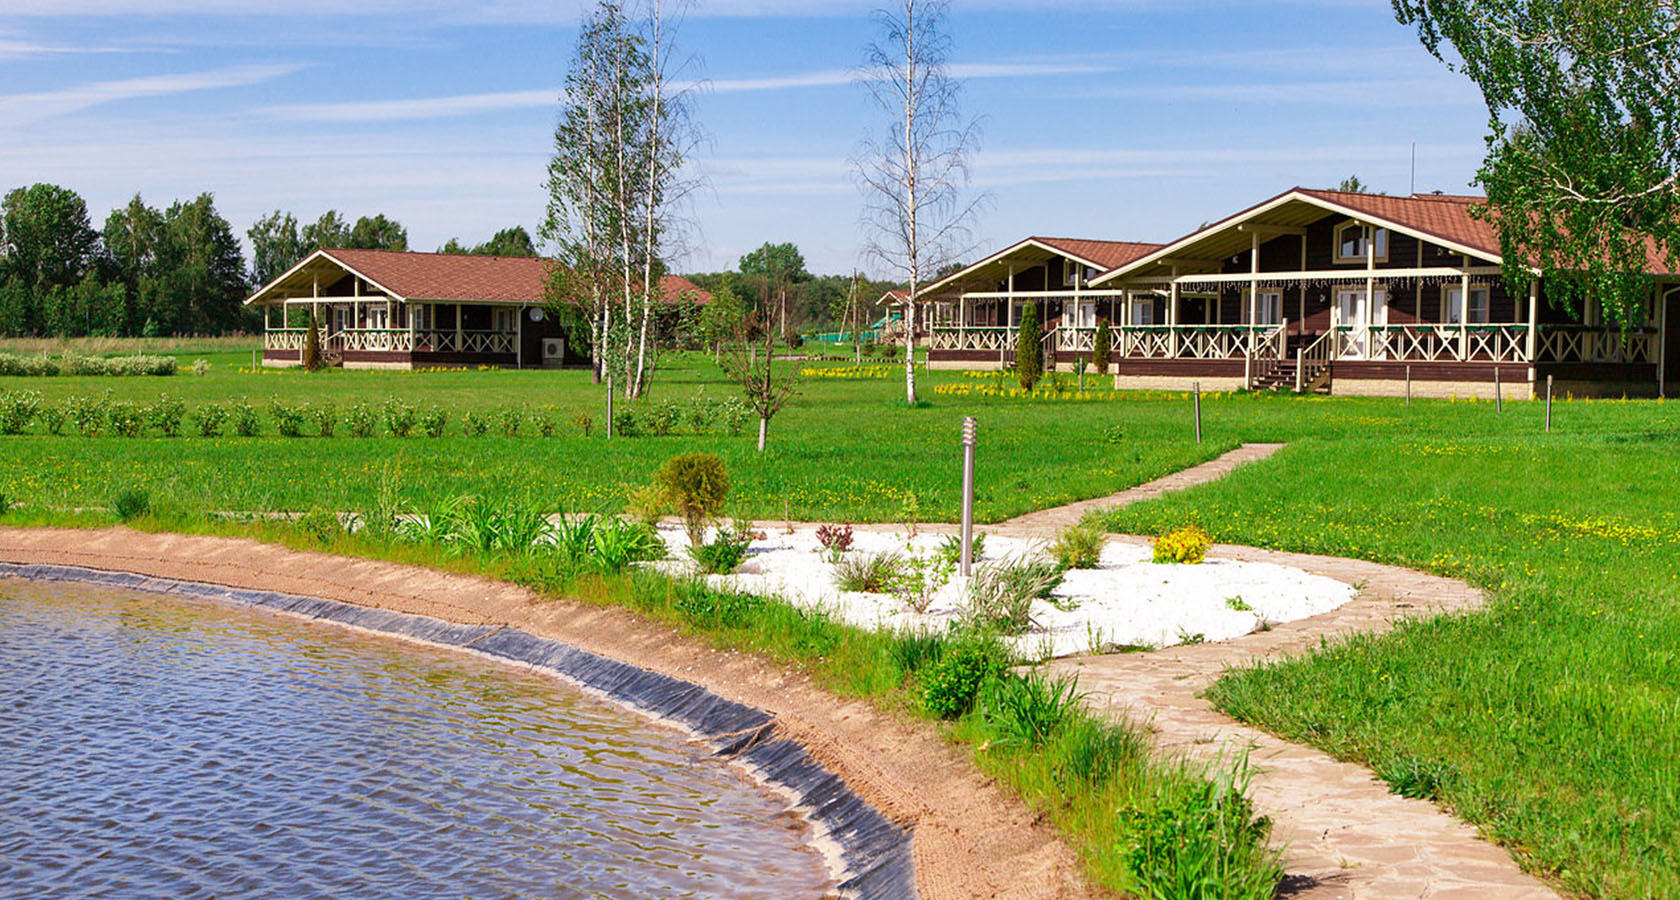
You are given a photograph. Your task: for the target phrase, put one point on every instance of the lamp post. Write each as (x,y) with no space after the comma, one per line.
(968,430)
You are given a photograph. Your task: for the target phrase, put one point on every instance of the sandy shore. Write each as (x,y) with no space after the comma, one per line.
(971,839)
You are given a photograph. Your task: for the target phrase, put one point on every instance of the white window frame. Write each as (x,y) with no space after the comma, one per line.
(1268,308)
(1451,311)
(504,318)
(1379,235)
(1075,274)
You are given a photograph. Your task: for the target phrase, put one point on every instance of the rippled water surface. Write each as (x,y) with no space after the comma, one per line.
(155,747)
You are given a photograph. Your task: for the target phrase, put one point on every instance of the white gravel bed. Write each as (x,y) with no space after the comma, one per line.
(1128,601)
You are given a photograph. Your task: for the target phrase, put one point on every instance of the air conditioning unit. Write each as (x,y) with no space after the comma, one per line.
(554,351)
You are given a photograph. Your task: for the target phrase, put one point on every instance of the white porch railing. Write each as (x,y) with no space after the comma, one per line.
(284,339)
(972,337)
(466,341)
(1584,343)
(1436,342)
(384,340)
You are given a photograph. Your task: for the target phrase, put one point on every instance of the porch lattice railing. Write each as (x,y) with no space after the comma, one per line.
(1432,342)
(467,341)
(284,339)
(972,337)
(387,340)
(1585,343)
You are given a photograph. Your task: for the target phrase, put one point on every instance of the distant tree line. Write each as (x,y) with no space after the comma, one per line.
(149,272)
(772,283)
(179,270)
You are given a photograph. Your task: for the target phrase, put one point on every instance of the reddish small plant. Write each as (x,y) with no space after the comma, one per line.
(835,540)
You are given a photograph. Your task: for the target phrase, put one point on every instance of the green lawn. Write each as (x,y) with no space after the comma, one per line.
(1551,719)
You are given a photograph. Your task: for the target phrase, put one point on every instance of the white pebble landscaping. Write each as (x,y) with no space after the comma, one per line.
(1127,602)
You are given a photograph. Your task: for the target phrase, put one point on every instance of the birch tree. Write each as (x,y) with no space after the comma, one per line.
(1583,167)
(914,171)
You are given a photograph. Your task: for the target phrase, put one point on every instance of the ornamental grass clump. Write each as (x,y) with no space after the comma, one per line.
(868,573)
(1186,545)
(131,503)
(1001,595)
(1027,711)
(697,486)
(1199,838)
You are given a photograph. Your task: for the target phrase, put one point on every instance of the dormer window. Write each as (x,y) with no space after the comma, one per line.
(1351,242)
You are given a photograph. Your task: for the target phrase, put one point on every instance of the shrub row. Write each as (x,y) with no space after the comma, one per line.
(94,416)
(71,364)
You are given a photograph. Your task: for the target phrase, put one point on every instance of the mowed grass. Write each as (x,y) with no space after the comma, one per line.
(847,449)
(1552,719)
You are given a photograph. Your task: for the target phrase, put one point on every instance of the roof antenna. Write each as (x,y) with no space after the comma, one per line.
(1414,167)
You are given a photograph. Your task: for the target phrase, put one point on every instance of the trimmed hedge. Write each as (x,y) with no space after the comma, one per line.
(70,364)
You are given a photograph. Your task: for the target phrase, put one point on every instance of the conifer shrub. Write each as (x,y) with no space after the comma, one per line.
(697,485)
(1029,350)
(1102,344)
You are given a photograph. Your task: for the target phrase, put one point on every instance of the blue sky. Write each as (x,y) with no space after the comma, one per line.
(1120,120)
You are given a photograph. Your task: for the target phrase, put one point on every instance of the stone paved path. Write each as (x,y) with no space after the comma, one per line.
(1345,835)
(1048,521)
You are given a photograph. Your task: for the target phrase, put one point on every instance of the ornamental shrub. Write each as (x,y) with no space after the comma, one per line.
(1029,349)
(726,551)
(509,420)
(434,421)
(287,417)
(1078,547)
(697,484)
(311,355)
(951,685)
(583,422)
(869,573)
(246,423)
(1187,545)
(473,424)
(125,419)
(325,415)
(165,415)
(51,418)
(201,367)
(321,525)
(400,417)
(360,420)
(207,419)
(1102,343)
(87,414)
(17,410)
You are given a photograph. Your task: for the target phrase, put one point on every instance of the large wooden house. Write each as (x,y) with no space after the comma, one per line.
(383,309)
(1310,290)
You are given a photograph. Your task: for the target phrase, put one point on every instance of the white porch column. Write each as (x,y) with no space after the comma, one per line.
(518,338)
(1662,340)
(459,346)
(1464,310)
(1533,342)
(1172,316)
(1370,283)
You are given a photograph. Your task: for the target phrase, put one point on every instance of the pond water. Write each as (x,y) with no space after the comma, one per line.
(160,747)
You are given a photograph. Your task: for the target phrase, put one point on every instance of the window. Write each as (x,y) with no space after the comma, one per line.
(1452,304)
(341,318)
(378,317)
(504,318)
(1351,242)
(1268,308)
(1143,312)
(1072,270)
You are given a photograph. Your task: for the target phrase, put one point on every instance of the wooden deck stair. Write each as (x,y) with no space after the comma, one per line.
(1280,376)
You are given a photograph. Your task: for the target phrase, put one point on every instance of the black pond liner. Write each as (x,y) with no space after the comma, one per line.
(874,852)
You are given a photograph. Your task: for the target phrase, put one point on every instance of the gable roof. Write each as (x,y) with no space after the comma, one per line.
(459,278)
(1443,219)
(1103,256)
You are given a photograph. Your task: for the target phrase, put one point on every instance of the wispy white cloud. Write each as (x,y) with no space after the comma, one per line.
(22,109)
(500,101)
(1363,94)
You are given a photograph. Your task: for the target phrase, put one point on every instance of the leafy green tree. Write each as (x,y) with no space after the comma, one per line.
(1353,185)
(204,281)
(132,237)
(17,307)
(722,318)
(1029,348)
(329,231)
(1583,166)
(377,233)
(515,241)
(46,237)
(454,247)
(276,245)
(778,269)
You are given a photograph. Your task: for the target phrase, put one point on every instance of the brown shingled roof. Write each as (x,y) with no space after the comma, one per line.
(450,276)
(1106,254)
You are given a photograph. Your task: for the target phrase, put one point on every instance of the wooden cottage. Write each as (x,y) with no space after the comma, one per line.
(395,310)
(1311,290)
